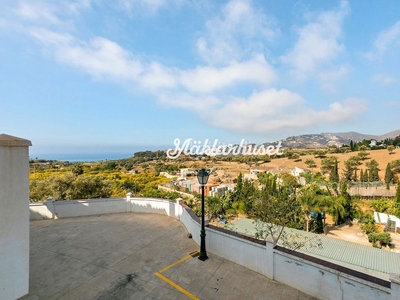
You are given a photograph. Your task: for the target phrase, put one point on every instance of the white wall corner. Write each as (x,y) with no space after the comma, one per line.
(14,217)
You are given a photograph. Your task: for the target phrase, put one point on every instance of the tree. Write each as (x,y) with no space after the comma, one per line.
(275,213)
(213,207)
(337,209)
(320,153)
(314,199)
(395,166)
(243,195)
(111,166)
(391,148)
(373,170)
(363,148)
(362,176)
(350,168)
(77,170)
(397,201)
(363,154)
(61,186)
(296,157)
(289,180)
(87,187)
(388,176)
(351,210)
(384,206)
(334,174)
(306,198)
(328,164)
(310,163)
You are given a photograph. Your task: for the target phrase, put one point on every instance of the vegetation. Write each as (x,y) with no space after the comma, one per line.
(379,239)
(274,202)
(101,180)
(397,201)
(384,206)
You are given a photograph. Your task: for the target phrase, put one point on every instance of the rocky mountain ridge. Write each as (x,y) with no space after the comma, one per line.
(323,140)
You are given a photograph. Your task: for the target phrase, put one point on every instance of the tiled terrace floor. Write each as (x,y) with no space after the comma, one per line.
(116,256)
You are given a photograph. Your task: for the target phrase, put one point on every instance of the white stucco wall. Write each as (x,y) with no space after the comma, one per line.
(39,211)
(14,217)
(238,250)
(158,206)
(76,208)
(322,282)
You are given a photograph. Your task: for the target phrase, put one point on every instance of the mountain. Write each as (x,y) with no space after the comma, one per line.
(323,140)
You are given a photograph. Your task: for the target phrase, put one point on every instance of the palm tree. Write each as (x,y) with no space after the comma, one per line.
(306,197)
(336,209)
(322,205)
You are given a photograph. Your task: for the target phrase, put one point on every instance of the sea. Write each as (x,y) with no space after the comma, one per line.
(80,157)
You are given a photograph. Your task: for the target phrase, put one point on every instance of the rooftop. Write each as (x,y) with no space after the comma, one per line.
(134,256)
(367,259)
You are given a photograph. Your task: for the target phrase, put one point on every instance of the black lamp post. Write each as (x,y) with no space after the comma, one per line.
(202,177)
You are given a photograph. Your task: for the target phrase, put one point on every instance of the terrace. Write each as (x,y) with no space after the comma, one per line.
(117,256)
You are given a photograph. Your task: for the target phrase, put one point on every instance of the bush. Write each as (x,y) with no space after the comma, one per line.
(383,205)
(369,228)
(383,238)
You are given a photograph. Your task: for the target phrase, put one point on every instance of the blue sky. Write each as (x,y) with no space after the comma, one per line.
(118,76)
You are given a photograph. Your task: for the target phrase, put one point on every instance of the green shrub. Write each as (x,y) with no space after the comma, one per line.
(384,239)
(368,228)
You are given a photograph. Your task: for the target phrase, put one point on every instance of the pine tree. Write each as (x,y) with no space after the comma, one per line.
(355,176)
(397,201)
(375,175)
(388,176)
(334,174)
(351,145)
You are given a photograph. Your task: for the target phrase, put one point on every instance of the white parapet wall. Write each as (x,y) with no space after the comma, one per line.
(311,275)
(14,217)
(324,282)
(77,208)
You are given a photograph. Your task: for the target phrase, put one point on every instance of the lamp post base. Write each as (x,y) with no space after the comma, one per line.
(203,253)
(203,256)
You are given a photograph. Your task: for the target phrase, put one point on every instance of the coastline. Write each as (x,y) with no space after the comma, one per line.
(80,157)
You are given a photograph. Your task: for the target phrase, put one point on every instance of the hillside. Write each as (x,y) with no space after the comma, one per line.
(227,171)
(323,140)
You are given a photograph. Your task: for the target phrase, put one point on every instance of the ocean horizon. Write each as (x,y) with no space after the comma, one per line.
(80,157)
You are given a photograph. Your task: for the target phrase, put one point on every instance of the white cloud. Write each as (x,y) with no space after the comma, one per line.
(383,79)
(208,79)
(157,76)
(99,57)
(237,33)
(273,110)
(36,11)
(134,7)
(386,41)
(318,44)
(45,12)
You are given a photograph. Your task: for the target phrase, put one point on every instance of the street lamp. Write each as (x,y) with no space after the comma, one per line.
(202,177)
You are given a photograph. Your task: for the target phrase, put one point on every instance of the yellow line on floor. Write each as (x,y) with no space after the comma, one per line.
(182,290)
(170,282)
(179,261)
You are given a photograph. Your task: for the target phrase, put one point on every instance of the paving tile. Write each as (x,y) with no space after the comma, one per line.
(115,256)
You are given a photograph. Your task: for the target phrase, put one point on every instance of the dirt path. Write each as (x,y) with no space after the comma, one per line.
(354,234)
